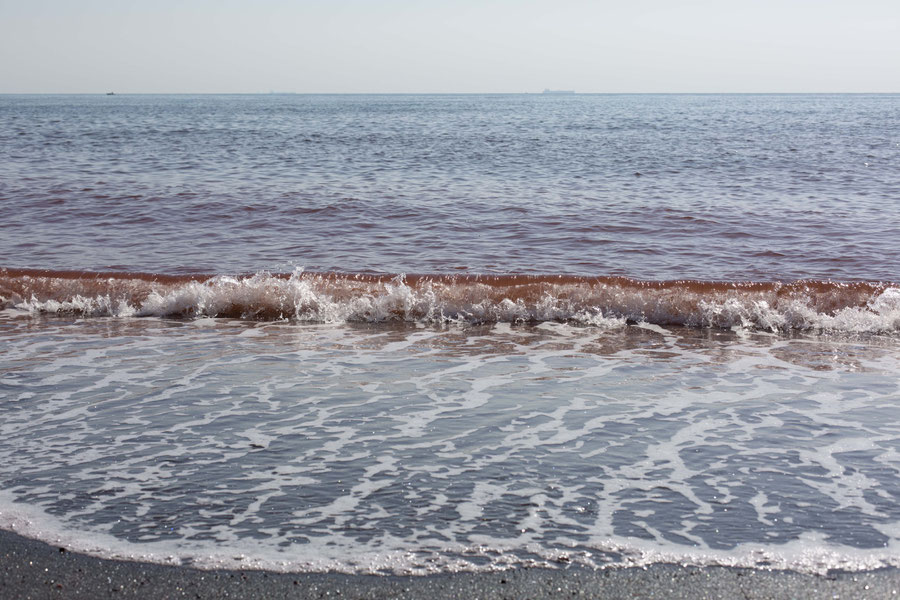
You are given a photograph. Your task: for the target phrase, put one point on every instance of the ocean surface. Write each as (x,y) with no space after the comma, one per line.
(419,334)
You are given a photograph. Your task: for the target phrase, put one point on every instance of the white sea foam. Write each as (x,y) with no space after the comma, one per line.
(416,450)
(810,554)
(338,299)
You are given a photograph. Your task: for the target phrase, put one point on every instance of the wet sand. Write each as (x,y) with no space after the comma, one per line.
(31,569)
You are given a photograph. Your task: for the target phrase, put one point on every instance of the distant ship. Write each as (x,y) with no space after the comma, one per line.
(110,93)
(549,91)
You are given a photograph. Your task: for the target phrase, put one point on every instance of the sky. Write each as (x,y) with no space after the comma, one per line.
(462,46)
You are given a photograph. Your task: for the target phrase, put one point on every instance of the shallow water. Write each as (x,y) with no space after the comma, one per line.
(404,448)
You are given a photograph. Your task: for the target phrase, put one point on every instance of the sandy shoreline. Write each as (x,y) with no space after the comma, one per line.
(31,569)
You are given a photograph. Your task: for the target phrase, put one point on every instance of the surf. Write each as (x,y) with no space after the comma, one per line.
(334,297)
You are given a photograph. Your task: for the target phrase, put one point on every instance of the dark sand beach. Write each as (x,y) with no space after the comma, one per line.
(31,569)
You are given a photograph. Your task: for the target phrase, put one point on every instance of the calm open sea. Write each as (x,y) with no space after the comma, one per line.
(412,334)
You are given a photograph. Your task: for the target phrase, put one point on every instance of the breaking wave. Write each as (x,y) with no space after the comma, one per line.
(805,305)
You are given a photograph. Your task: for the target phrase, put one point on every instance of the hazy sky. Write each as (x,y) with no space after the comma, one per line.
(459,46)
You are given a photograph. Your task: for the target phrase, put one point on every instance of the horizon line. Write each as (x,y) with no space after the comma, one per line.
(573,93)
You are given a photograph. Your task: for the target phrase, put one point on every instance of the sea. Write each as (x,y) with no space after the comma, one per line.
(412,334)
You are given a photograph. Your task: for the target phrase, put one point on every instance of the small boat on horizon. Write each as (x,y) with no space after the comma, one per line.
(110,93)
(549,91)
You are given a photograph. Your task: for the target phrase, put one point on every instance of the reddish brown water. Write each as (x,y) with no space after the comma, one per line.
(656,188)
(804,305)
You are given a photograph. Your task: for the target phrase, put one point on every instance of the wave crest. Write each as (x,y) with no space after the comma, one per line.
(338,297)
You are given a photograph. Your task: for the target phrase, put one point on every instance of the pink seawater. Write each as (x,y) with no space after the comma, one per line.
(653,187)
